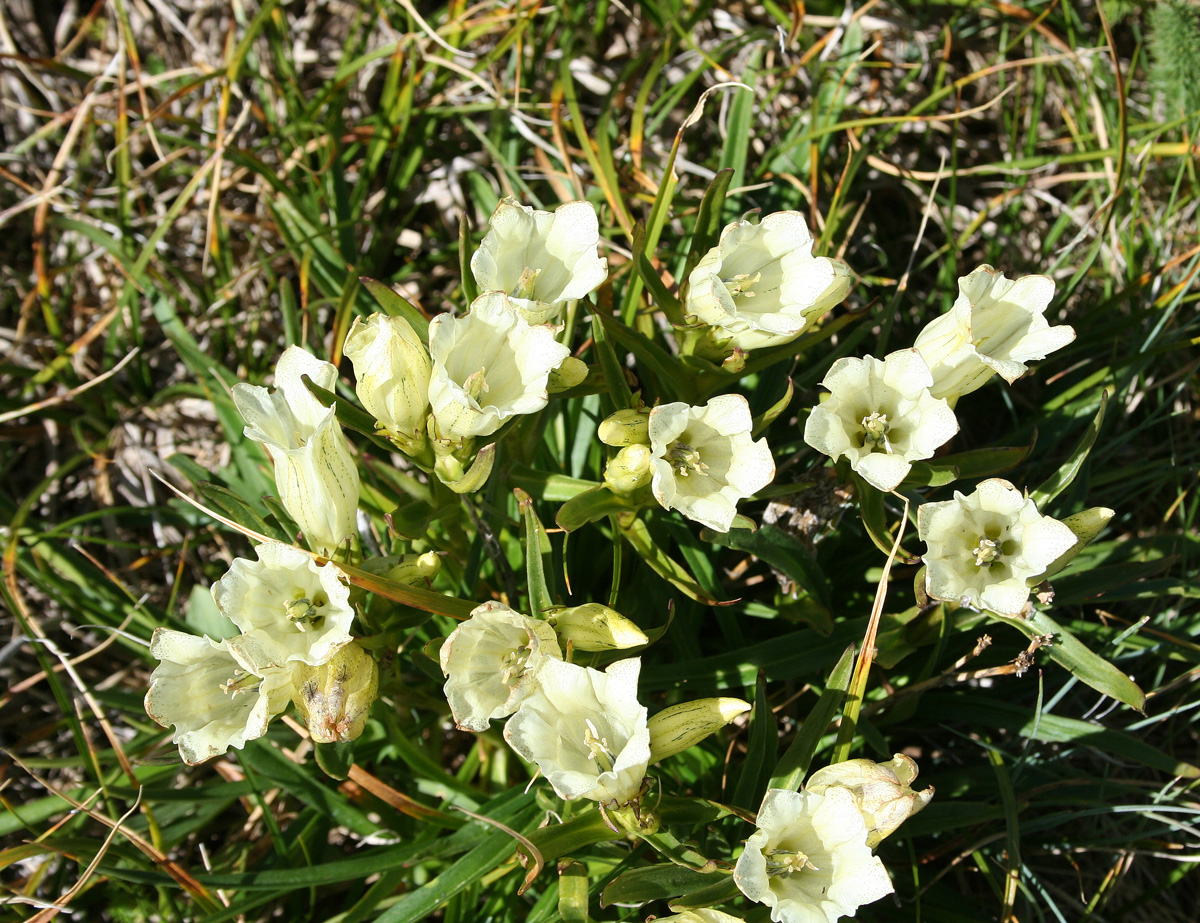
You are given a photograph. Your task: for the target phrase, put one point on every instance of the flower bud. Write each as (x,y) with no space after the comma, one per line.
(678,727)
(336,697)
(629,469)
(625,427)
(881,791)
(315,474)
(572,372)
(392,369)
(416,569)
(595,627)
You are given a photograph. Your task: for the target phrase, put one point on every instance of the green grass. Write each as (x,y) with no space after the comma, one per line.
(209,206)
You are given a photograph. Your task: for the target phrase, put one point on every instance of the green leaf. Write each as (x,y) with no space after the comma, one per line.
(578,833)
(707,232)
(1068,651)
(335,759)
(669,372)
(716,893)
(1086,525)
(663,296)
(760,751)
(396,305)
(204,618)
(589,506)
(411,520)
(792,768)
(638,535)
(768,416)
(537,545)
(466,277)
(542,485)
(349,415)
(870,505)
(969,708)
(409,595)
(1061,479)
(237,509)
(497,846)
(619,396)
(656,882)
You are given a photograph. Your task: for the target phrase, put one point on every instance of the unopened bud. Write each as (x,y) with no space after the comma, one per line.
(392,368)
(450,470)
(572,372)
(416,569)
(625,427)
(882,791)
(678,727)
(336,697)
(595,627)
(629,469)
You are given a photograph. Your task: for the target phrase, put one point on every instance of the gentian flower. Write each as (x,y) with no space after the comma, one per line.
(705,460)
(288,609)
(212,698)
(761,285)
(541,260)
(996,325)
(585,731)
(488,365)
(986,548)
(880,416)
(492,662)
(809,860)
(391,370)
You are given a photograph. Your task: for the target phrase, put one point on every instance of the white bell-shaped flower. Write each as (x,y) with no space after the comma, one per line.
(288,609)
(213,700)
(881,416)
(541,260)
(809,860)
(987,547)
(315,473)
(391,370)
(996,325)
(492,661)
(488,365)
(585,731)
(761,284)
(705,460)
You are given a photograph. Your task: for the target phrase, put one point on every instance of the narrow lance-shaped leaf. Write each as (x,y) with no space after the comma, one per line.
(793,766)
(1062,478)
(537,544)
(1068,651)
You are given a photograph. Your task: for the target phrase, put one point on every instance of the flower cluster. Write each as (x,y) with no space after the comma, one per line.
(882,415)
(293,616)
(564,679)
(493,363)
(583,728)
